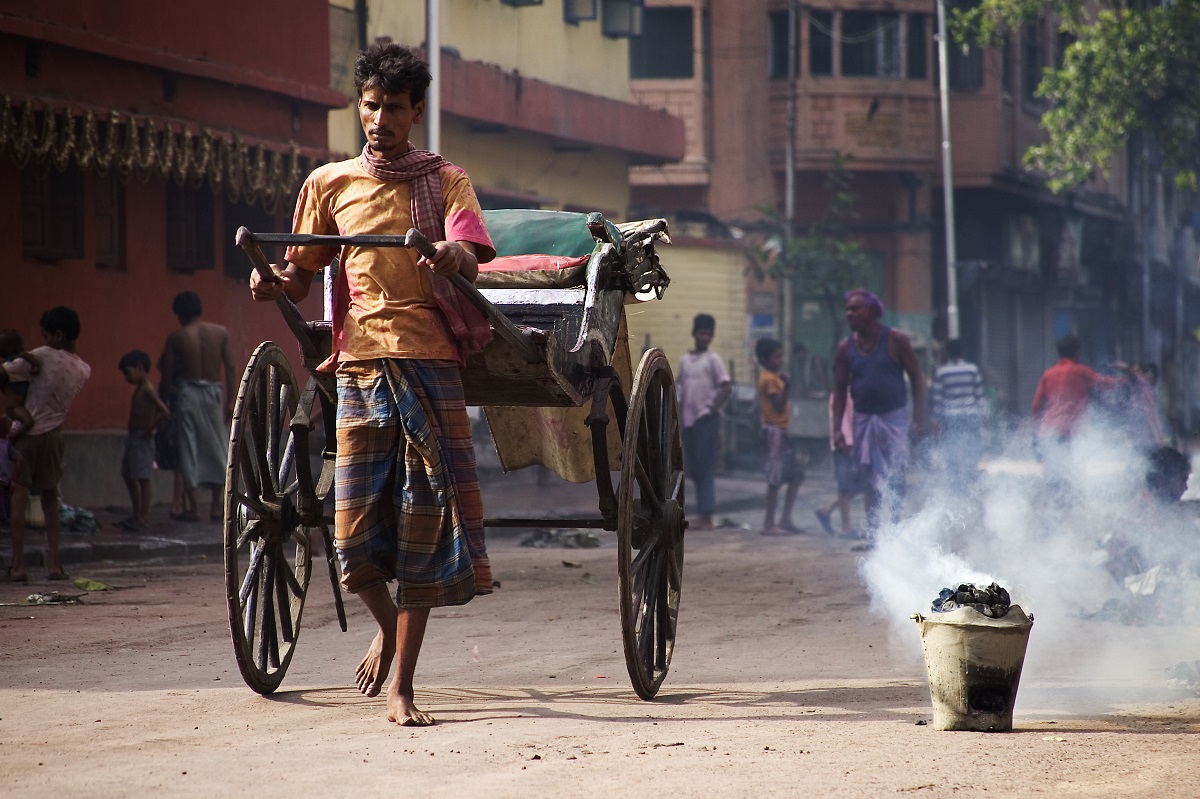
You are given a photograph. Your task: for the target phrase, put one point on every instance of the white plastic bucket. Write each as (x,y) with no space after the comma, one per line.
(974,666)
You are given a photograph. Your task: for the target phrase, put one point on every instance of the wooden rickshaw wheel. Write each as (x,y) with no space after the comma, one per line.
(650,524)
(268,550)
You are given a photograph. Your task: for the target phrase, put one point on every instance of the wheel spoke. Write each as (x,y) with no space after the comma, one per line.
(266,633)
(250,603)
(250,581)
(251,531)
(262,510)
(289,576)
(666,436)
(663,624)
(282,585)
(676,491)
(259,444)
(252,459)
(649,490)
(647,616)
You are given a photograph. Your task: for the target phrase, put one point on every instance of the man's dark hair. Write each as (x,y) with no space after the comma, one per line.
(954,348)
(186,306)
(61,319)
(1069,346)
(764,348)
(394,68)
(704,321)
(1168,469)
(135,358)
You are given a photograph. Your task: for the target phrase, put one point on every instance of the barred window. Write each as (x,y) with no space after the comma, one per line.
(820,42)
(871,44)
(51,213)
(110,221)
(256,220)
(189,228)
(665,48)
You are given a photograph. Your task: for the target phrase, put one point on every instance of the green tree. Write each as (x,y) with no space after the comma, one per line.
(1130,68)
(823,260)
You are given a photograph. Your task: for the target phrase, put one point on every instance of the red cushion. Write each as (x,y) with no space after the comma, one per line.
(532,263)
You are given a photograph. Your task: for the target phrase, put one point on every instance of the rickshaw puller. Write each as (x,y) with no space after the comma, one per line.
(408,505)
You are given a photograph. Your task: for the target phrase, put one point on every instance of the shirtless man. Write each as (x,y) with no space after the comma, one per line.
(191,364)
(871,364)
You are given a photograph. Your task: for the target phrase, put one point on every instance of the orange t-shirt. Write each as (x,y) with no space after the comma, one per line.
(392,311)
(770,385)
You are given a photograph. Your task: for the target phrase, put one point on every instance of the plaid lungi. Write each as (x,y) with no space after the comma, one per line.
(408,506)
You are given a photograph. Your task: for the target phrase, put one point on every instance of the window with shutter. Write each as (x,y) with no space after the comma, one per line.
(110,222)
(51,213)
(189,228)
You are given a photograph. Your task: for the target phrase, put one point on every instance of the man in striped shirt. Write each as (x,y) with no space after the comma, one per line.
(956,402)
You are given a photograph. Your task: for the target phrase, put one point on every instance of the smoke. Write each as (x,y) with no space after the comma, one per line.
(1111,575)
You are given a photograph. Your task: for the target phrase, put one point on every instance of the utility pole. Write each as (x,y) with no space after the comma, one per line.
(947,176)
(789,179)
(433,98)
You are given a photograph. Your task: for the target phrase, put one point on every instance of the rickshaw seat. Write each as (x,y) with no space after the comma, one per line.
(536,249)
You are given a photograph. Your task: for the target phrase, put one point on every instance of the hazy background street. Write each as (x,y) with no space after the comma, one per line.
(783,683)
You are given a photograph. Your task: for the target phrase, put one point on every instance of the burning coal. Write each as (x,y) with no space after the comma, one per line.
(992,601)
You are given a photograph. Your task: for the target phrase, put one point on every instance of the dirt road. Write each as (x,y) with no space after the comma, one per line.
(783,684)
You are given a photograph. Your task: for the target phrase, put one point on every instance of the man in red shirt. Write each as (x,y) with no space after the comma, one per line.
(1061,400)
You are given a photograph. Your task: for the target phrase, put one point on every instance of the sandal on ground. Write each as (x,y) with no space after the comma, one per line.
(792,529)
(825,519)
(7,576)
(58,576)
(186,516)
(776,532)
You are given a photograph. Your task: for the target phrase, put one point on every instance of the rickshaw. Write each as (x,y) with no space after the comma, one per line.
(551,382)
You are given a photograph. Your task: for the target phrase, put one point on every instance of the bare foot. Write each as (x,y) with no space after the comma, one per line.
(402,711)
(373,669)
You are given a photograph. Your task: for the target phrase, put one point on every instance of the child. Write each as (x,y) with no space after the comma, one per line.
(16,381)
(61,375)
(850,478)
(146,411)
(703,386)
(782,466)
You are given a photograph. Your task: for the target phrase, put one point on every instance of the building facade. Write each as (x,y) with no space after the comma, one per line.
(764,84)
(134,140)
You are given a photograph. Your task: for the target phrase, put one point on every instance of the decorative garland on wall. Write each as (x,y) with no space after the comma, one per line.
(148,148)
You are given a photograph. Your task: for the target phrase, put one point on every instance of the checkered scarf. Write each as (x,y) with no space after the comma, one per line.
(421,169)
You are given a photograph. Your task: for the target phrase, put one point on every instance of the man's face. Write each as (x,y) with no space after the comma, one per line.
(702,338)
(387,119)
(858,315)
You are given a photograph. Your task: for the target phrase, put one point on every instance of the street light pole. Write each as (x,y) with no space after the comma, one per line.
(789,178)
(947,176)
(433,98)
